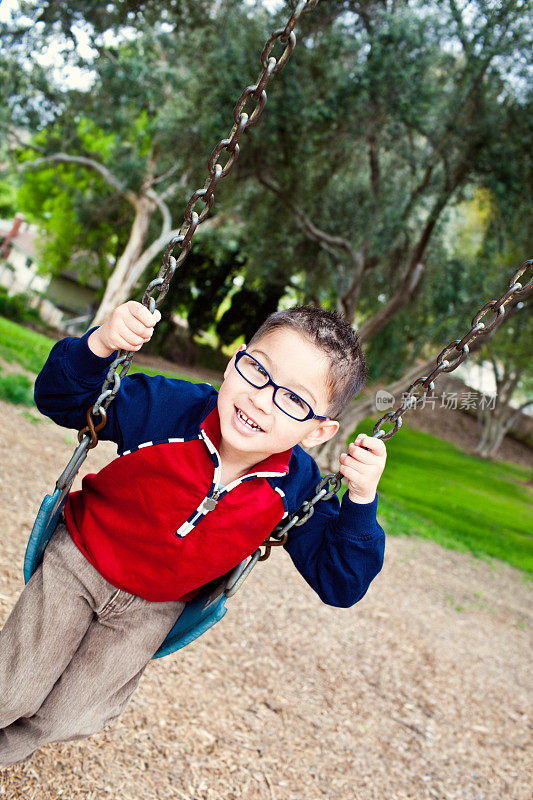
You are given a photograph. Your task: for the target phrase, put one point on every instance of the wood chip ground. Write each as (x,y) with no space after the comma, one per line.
(422,690)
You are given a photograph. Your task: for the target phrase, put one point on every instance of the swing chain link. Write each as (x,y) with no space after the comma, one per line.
(191,218)
(446,362)
(280,534)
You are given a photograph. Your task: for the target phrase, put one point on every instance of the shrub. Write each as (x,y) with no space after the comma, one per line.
(16,388)
(16,307)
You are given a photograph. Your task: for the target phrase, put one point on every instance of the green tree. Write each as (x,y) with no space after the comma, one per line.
(411,98)
(129,133)
(509,353)
(383,118)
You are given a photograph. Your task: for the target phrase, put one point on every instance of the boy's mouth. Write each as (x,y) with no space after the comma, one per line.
(247,422)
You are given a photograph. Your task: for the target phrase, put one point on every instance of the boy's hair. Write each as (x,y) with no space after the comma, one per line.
(331,333)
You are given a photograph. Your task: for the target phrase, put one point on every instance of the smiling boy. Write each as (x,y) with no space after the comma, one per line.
(202,479)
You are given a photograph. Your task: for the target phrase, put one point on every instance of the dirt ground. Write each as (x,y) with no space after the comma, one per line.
(422,690)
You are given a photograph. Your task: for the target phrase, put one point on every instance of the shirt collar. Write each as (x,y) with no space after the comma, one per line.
(277,462)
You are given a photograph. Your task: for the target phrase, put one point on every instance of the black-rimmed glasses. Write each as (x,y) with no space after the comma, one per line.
(285,399)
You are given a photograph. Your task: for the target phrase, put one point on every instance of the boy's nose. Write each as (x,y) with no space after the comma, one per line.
(263,399)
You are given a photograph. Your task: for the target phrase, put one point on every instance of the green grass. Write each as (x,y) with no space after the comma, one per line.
(430,488)
(16,388)
(23,346)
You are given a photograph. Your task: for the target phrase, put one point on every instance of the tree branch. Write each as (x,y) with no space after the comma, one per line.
(358,264)
(497,376)
(456,14)
(164,209)
(161,242)
(521,407)
(64,158)
(410,281)
(509,422)
(373,157)
(307,226)
(10,132)
(167,174)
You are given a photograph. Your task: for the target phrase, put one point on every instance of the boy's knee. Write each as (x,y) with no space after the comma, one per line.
(82,725)
(8,759)
(14,705)
(19,741)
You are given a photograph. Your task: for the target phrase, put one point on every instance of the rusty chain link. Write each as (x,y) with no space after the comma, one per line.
(192,219)
(280,533)
(455,353)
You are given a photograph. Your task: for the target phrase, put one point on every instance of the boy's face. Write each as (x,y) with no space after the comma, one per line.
(292,361)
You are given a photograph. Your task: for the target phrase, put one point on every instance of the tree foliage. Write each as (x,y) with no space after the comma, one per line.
(386,117)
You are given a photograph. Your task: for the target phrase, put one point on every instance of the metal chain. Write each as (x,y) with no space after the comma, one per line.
(515,289)
(456,352)
(280,533)
(242,120)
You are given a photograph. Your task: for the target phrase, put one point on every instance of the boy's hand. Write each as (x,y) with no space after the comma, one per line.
(128,328)
(363,466)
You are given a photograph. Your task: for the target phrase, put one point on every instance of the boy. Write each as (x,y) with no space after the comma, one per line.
(201,481)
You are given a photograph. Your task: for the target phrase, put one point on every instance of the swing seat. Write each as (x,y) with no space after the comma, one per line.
(199,614)
(197,617)
(43,528)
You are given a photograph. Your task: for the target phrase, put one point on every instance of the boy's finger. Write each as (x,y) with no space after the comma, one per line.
(376,446)
(352,476)
(134,326)
(141,313)
(131,326)
(131,338)
(349,467)
(361,454)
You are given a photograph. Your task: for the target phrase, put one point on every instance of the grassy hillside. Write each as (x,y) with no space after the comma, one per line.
(431,488)
(30,350)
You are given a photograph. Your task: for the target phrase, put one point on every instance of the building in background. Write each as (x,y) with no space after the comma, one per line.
(62,301)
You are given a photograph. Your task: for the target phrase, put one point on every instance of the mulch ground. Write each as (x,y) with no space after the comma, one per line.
(422,690)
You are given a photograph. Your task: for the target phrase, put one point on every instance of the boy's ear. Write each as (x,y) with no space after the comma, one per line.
(231,362)
(323,433)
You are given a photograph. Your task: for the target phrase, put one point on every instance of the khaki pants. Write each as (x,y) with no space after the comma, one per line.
(72,652)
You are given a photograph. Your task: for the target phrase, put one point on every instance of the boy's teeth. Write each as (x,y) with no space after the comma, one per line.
(248,421)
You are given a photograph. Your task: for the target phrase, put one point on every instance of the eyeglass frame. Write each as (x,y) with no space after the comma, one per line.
(276,386)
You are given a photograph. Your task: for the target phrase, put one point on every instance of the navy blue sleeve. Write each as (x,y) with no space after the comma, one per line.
(144,409)
(70,382)
(339,550)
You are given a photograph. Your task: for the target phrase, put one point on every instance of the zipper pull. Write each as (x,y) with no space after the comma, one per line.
(211,502)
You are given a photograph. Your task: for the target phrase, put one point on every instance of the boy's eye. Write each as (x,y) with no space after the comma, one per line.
(261,370)
(296,400)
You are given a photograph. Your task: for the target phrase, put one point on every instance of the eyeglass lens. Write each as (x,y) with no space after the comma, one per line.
(288,401)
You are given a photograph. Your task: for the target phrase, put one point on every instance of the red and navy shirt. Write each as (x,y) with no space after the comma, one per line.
(158,523)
